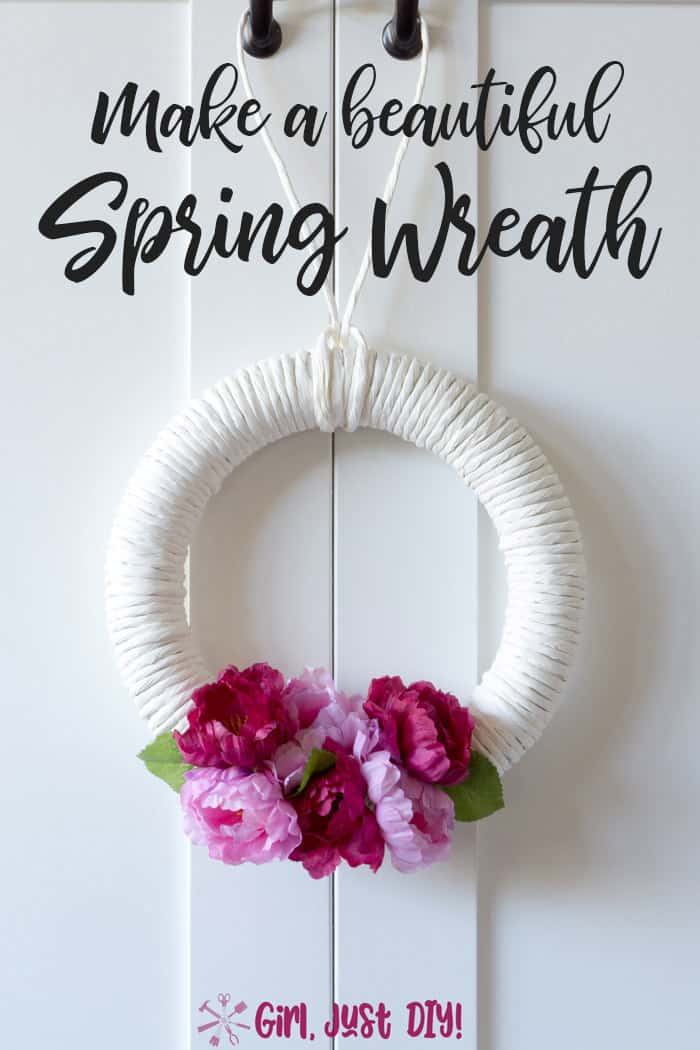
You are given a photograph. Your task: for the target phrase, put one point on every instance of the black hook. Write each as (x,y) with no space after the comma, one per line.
(262,35)
(401,36)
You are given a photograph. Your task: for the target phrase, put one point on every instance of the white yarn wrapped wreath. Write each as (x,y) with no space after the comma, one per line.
(341,383)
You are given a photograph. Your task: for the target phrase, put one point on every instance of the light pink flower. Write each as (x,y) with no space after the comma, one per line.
(307,694)
(343,721)
(416,819)
(238,816)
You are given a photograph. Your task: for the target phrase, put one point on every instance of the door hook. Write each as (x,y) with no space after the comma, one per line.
(401,36)
(262,35)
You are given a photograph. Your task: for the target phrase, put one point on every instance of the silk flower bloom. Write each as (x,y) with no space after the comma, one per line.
(238,816)
(335,821)
(426,730)
(245,716)
(343,722)
(416,819)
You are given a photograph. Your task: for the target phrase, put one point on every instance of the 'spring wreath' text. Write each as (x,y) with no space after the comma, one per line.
(600,215)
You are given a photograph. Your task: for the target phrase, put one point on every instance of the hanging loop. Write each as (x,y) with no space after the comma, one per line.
(402,35)
(262,35)
(337,324)
(340,377)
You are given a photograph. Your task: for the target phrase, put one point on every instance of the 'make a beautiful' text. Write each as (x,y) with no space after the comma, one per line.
(600,217)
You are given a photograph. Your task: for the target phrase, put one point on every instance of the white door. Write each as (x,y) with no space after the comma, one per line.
(570,919)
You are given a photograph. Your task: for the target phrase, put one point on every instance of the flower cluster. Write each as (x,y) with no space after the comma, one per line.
(298,770)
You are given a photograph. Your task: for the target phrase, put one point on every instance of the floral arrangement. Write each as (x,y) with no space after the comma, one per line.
(274,770)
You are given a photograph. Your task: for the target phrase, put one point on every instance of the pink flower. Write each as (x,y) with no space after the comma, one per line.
(346,724)
(306,695)
(239,720)
(335,822)
(238,816)
(342,721)
(416,819)
(426,730)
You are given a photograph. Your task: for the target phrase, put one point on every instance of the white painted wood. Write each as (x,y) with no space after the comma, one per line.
(588,881)
(406,542)
(92,882)
(261,566)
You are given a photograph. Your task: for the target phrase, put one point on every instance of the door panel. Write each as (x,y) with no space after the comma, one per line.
(260,569)
(93,920)
(588,880)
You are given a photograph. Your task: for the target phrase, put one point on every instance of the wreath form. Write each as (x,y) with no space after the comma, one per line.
(351,386)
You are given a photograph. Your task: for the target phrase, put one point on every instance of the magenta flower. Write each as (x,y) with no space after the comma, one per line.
(426,730)
(334,820)
(239,720)
(416,819)
(238,816)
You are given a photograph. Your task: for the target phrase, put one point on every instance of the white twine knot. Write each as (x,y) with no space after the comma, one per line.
(340,373)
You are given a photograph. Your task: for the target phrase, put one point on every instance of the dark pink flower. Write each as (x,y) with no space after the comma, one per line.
(335,822)
(427,731)
(239,720)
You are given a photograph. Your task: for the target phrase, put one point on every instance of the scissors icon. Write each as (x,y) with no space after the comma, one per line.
(223,1021)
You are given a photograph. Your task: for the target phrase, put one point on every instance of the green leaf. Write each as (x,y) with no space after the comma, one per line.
(481,794)
(164,760)
(319,761)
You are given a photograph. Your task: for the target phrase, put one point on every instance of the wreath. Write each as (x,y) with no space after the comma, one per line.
(272,769)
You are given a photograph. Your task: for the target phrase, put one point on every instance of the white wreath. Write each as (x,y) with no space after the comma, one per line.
(341,383)
(351,387)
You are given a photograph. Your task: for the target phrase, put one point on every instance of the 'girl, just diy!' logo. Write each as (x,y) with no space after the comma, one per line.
(429,1019)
